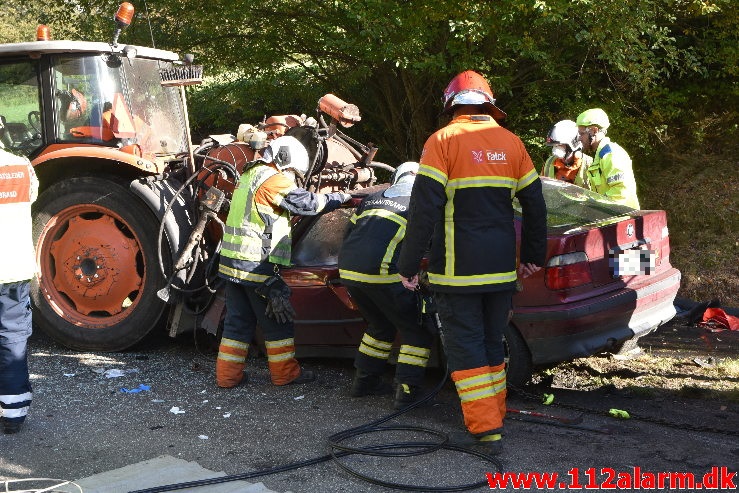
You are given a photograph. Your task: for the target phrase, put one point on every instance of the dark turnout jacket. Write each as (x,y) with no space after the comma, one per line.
(372,243)
(463,201)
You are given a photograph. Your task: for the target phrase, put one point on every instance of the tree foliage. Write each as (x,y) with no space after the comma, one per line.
(658,67)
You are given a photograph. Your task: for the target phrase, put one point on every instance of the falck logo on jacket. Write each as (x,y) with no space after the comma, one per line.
(489,157)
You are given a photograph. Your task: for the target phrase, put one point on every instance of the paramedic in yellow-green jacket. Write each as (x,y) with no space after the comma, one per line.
(611,173)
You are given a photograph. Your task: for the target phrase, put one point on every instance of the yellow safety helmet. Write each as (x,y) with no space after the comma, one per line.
(593,116)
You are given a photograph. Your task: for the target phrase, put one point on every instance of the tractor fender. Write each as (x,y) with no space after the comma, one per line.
(180,219)
(67,152)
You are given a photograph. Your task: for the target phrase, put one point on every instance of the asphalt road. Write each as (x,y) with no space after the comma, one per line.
(82,423)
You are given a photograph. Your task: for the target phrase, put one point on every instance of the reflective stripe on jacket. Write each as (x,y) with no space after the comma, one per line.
(370,249)
(462,199)
(18,189)
(612,175)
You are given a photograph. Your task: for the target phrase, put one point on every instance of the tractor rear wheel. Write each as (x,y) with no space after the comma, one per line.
(96,246)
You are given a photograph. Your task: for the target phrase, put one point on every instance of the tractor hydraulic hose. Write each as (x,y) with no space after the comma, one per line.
(351,149)
(220,164)
(345,138)
(164,292)
(160,237)
(377,164)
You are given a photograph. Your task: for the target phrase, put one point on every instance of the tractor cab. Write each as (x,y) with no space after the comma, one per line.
(58,94)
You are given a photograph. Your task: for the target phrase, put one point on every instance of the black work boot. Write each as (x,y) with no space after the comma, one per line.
(365,383)
(10,427)
(406,395)
(306,376)
(491,444)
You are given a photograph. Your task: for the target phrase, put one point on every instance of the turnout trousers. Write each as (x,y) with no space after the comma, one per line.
(245,309)
(389,309)
(472,325)
(15,329)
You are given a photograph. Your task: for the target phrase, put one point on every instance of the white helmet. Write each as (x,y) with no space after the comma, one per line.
(408,169)
(287,152)
(565,133)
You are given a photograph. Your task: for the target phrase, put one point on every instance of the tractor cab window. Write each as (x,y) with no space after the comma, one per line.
(20,110)
(85,89)
(117,101)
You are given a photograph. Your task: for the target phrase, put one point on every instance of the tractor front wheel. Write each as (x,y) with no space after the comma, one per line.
(96,247)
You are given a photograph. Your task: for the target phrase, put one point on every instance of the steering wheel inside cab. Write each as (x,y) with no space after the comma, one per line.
(31,136)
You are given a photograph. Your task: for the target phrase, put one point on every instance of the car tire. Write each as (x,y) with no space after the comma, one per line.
(519,367)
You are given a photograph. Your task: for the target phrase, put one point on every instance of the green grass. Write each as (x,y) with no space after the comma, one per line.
(700,193)
(650,375)
(17,101)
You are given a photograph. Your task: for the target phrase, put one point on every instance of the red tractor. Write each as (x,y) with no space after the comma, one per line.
(126,223)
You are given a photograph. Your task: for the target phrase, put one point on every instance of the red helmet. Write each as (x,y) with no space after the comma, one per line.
(471,88)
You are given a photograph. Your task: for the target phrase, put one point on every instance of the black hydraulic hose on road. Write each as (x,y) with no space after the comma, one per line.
(339,450)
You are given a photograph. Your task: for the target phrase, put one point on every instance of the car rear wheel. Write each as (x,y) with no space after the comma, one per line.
(519,367)
(96,246)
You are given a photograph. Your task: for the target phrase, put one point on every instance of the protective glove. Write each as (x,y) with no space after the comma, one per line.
(345,197)
(277,293)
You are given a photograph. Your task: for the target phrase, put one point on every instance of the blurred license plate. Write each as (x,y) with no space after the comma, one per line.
(632,263)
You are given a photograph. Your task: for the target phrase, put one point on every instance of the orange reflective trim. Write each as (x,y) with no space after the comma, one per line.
(482,414)
(283,367)
(232,351)
(499,374)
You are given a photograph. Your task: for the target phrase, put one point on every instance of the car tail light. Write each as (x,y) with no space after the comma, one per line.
(568,271)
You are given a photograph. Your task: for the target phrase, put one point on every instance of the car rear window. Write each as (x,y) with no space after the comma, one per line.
(570,206)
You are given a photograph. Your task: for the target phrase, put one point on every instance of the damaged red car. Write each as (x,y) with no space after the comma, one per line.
(607,282)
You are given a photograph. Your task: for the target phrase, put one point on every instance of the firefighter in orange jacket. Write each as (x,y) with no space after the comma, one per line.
(462,200)
(18,189)
(567,162)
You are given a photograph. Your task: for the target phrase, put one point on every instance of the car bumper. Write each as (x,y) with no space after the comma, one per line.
(581,329)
